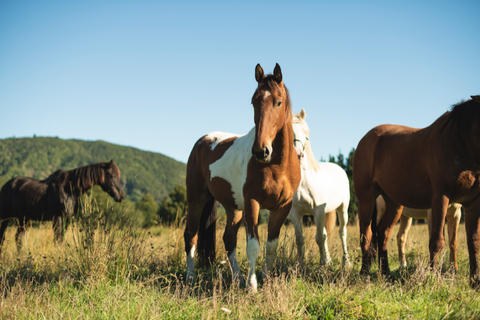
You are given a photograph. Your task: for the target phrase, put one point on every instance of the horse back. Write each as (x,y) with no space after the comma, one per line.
(23,197)
(394,160)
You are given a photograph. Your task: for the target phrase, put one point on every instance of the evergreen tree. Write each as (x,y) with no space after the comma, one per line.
(173,207)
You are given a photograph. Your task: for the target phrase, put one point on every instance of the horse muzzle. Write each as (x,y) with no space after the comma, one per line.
(263,155)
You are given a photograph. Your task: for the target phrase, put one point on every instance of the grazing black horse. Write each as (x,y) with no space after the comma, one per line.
(27,199)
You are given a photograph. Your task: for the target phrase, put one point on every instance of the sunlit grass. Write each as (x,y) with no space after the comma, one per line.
(113,270)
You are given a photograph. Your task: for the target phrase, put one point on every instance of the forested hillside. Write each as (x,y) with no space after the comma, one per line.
(142,171)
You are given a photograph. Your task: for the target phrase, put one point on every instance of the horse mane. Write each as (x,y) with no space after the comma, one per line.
(312,161)
(270,83)
(463,116)
(81,179)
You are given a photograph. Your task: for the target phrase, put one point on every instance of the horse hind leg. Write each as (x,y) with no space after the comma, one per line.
(321,236)
(234,219)
(393,211)
(3,226)
(58,228)
(453,215)
(191,235)
(405,224)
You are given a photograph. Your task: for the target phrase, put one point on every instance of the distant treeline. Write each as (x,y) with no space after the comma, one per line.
(143,172)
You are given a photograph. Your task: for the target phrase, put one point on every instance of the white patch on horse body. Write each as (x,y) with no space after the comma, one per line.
(191,264)
(216,137)
(232,166)
(253,249)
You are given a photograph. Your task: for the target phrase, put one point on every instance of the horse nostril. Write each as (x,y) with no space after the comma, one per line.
(266,152)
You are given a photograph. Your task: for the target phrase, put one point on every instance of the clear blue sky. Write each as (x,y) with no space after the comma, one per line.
(158,75)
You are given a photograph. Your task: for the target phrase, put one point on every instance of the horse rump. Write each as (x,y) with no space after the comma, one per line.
(207,234)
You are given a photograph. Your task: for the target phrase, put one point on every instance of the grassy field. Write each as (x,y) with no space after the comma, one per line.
(112,271)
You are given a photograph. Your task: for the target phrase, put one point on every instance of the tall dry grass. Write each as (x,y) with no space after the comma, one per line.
(111,270)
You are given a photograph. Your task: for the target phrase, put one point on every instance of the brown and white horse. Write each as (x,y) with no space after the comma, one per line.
(244,173)
(421,168)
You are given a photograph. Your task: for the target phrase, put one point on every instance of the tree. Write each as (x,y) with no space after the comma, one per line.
(148,209)
(173,207)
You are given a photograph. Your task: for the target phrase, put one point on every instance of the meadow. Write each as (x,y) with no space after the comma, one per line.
(108,269)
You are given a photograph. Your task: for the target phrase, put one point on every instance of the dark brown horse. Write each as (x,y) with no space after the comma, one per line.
(27,199)
(421,169)
(244,173)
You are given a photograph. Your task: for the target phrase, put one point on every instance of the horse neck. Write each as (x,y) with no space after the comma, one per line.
(82,180)
(284,142)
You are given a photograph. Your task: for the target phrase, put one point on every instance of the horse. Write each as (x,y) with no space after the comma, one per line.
(244,173)
(454,213)
(420,168)
(324,189)
(24,199)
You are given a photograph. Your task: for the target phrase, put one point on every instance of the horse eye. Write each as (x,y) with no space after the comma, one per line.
(279,103)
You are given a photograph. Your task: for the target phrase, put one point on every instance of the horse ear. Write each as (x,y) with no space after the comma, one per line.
(110,163)
(475,98)
(277,73)
(303,114)
(259,75)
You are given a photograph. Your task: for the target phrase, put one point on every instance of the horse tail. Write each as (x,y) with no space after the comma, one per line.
(207,234)
(373,242)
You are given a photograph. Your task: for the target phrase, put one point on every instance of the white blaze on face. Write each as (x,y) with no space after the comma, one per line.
(232,166)
(267,94)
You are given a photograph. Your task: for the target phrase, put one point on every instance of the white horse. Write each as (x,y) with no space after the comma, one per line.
(324,190)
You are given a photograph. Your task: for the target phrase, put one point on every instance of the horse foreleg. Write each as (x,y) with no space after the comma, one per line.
(22,224)
(405,224)
(253,245)
(454,214)
(58,228)
(393,211)
(437,238)
(472,225)
(297,220)
(275,223)
(234,219)
(342,232)
(321,236)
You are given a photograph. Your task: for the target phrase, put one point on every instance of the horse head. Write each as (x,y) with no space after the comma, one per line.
(271,103)
(111,182)
(301,134)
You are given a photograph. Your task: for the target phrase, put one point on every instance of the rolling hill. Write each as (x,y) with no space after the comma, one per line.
(142,171)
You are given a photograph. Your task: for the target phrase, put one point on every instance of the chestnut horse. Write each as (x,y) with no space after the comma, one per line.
(243,172)
(421,168)
(25,199)
(454,213)
(323,191)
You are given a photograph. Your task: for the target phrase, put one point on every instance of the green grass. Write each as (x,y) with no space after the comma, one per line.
(106,270)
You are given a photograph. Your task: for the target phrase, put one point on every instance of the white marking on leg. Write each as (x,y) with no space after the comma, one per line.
(253,249)
(191,265)
(271,255)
